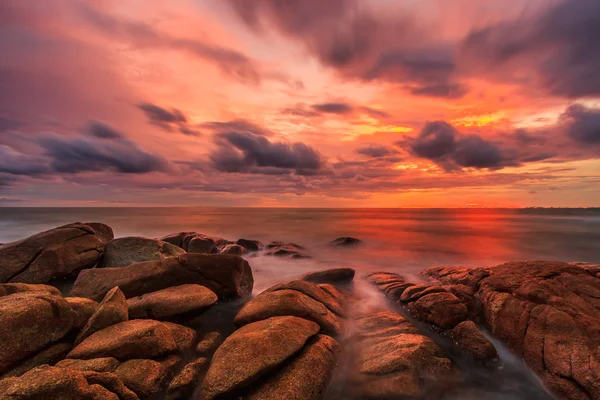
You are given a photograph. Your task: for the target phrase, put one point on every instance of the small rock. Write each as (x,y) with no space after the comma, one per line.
(111,382)
(250,245)
(233,249)
(346,241)
(125,251)
(209,343)
(184,337)
(170,302)
(335,275)
(182,386)
(143,377)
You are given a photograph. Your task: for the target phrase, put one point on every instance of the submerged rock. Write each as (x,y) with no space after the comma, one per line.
(345,241)
(250,245)
(170,302)
(125,251)
(53,254)
(334,275)
(289,250)
(226,275)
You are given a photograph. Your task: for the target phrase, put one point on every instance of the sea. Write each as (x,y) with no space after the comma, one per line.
(405,241)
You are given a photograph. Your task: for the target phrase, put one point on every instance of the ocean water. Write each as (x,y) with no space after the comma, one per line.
(405,241)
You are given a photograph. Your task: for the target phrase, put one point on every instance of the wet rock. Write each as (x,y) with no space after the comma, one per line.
(444,310)
(228,276)
(111,382)
(250,245)
(233,249)
(29,322)
(126,340)
(209,343)
(306,377)
(395,360)
(249,354)
(177,238)
(203,244)
(129,250)
(143,377)
(11,288)
(112,310)
(170,302)
(334,292)
(183,385)
(289,250)
(48,383)
(313,291)
(467,336)
(50,355)
(52,254)
(104,364)
(335,275)
(83,308)
(346,241)
(184,337)
(288,302)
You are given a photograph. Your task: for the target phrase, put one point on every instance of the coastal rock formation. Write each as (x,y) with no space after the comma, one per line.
(345,241)
(334,275)
(143,377)
(29,322)
(140,338)
(250,245)
(289,250)
(184,337)
(194,242)
(83,308)
(395,360)
(53,254)
(11,288)
(112,310)
(548,313)
(172,301)
(125,251)
(182,386)
(50,355)
(228,276)
(104,364)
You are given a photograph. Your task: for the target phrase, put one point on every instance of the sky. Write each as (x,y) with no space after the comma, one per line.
(300,103)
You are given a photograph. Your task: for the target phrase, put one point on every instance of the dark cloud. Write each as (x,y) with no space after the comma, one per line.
(103,131)
(250,153)
(582,124)
(375,151)
(559,47)
(170,120)
(333,108)
(446,89)
(475,152)
(7,124)
(237,125)
(435,141)
(17,163)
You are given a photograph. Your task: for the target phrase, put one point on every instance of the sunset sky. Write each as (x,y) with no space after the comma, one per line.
(300,103)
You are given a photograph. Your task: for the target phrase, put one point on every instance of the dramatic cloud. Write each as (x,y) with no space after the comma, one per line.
(168,120)
(246,152)
(375,151)
(103,131)
(237,126)
(559,45)
(333,108)
(17,163)
(582,124)
(328,109)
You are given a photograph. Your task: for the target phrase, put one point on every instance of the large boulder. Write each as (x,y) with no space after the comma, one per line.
(53,254)
(252,353)
(112,310)
(250,245)
(29,322)
(334,275)
(11,288)
(170,302)
(194,242)
(140,338)
(130,250)
(228,276)
(104,364)
(143,377)
(184,337)
(83,308)
(50,355)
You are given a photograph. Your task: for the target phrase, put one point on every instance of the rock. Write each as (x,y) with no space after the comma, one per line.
(467,336)
(250,245)
(228,276)
(99,392)
(203,244)
(125,251)
(335,275)
(444,310)
(83,308)
(313,291)
(111,382)
(6,383)
(249,354)
(171,364)
(52,254)
(345,241)
(143,377)
(103,232)
(394,360)
(233,249)
(112,310)
(306,377)
(546,312)
(104,364)
(209,343)
(50,355)
(333,292)
(290,250)
(29,322)
(11,288)
(126,340)
(178,238)
(49,383)
(170,302)
(288,303)
(182,386)
(184,337)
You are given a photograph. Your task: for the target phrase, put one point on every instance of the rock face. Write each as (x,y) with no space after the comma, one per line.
(286,300)
(335,275)
(245,362)
(140,338)
(52,254)
(130,250)
(228,276)
(395,360)
(172,301)
(29,322)
(548,313)
(112,310)
(345,241)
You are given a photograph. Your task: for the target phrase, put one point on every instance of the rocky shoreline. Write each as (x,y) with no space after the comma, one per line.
(174,318)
